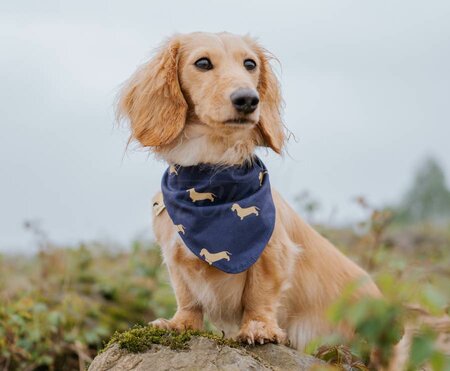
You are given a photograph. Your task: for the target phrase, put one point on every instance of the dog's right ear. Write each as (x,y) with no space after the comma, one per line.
(152,101)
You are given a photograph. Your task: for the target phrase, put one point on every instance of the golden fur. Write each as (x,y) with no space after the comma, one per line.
(181,113)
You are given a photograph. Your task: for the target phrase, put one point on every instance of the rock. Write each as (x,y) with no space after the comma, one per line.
(283,358)
(202,353)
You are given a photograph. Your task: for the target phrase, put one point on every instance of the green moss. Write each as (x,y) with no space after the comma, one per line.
(141,338)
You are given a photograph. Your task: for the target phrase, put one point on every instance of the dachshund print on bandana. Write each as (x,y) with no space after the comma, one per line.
(224,215)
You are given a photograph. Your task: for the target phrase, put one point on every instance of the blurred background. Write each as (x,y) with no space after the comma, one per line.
(366,88)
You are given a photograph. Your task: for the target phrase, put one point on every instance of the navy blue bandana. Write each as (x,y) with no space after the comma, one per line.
(224,215)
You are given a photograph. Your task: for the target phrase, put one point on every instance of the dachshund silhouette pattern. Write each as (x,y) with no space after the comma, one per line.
(261,177)
(173,170)
(200,196)
(158,204)
(243,212)
(213,257)
(181,228)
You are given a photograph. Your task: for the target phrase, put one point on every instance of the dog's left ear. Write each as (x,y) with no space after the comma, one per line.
(270,124)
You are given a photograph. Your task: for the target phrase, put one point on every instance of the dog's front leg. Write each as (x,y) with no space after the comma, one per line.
(189,314)
(261,294)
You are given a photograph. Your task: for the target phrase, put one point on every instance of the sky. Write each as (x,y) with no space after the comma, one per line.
(366,88)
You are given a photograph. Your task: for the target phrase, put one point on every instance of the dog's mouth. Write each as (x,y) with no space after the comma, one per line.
(239,121)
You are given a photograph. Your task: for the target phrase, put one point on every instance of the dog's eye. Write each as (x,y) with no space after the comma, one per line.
(249,64)
(204,64)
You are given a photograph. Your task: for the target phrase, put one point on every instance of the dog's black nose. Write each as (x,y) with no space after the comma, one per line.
(245,100)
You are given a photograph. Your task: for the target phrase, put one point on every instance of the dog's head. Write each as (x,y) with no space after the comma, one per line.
(221,82)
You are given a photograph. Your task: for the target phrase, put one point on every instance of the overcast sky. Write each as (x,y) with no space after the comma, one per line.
(366,87)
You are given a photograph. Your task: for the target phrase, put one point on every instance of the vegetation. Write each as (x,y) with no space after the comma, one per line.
(58,308)
(428,199)
(412,270)
(141,338)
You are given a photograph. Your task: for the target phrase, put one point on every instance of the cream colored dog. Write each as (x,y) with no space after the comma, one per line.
(242,212)
(213,257)
(198,196)
(183,105)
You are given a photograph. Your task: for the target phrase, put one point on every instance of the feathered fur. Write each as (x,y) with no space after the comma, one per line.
(182,114)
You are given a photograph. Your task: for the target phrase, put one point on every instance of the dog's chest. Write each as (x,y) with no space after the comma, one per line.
(219,293)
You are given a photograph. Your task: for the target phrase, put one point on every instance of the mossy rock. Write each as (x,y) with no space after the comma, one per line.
(147,348)
(142,338)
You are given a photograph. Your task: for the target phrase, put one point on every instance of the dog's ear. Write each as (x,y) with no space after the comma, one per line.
(270,124)
(152,100)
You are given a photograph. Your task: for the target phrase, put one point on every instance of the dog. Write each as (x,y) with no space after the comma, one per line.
(214,98)
(243,212)
(213,257)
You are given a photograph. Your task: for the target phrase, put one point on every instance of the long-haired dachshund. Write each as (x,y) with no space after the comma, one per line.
(213,99)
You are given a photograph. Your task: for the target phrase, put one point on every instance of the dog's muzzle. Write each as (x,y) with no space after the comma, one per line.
(245,100)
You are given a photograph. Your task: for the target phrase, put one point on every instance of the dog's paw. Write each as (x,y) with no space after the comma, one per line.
(161,323)
(257,332)
(174,325)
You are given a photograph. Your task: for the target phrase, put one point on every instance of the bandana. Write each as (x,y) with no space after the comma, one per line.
(224,215)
